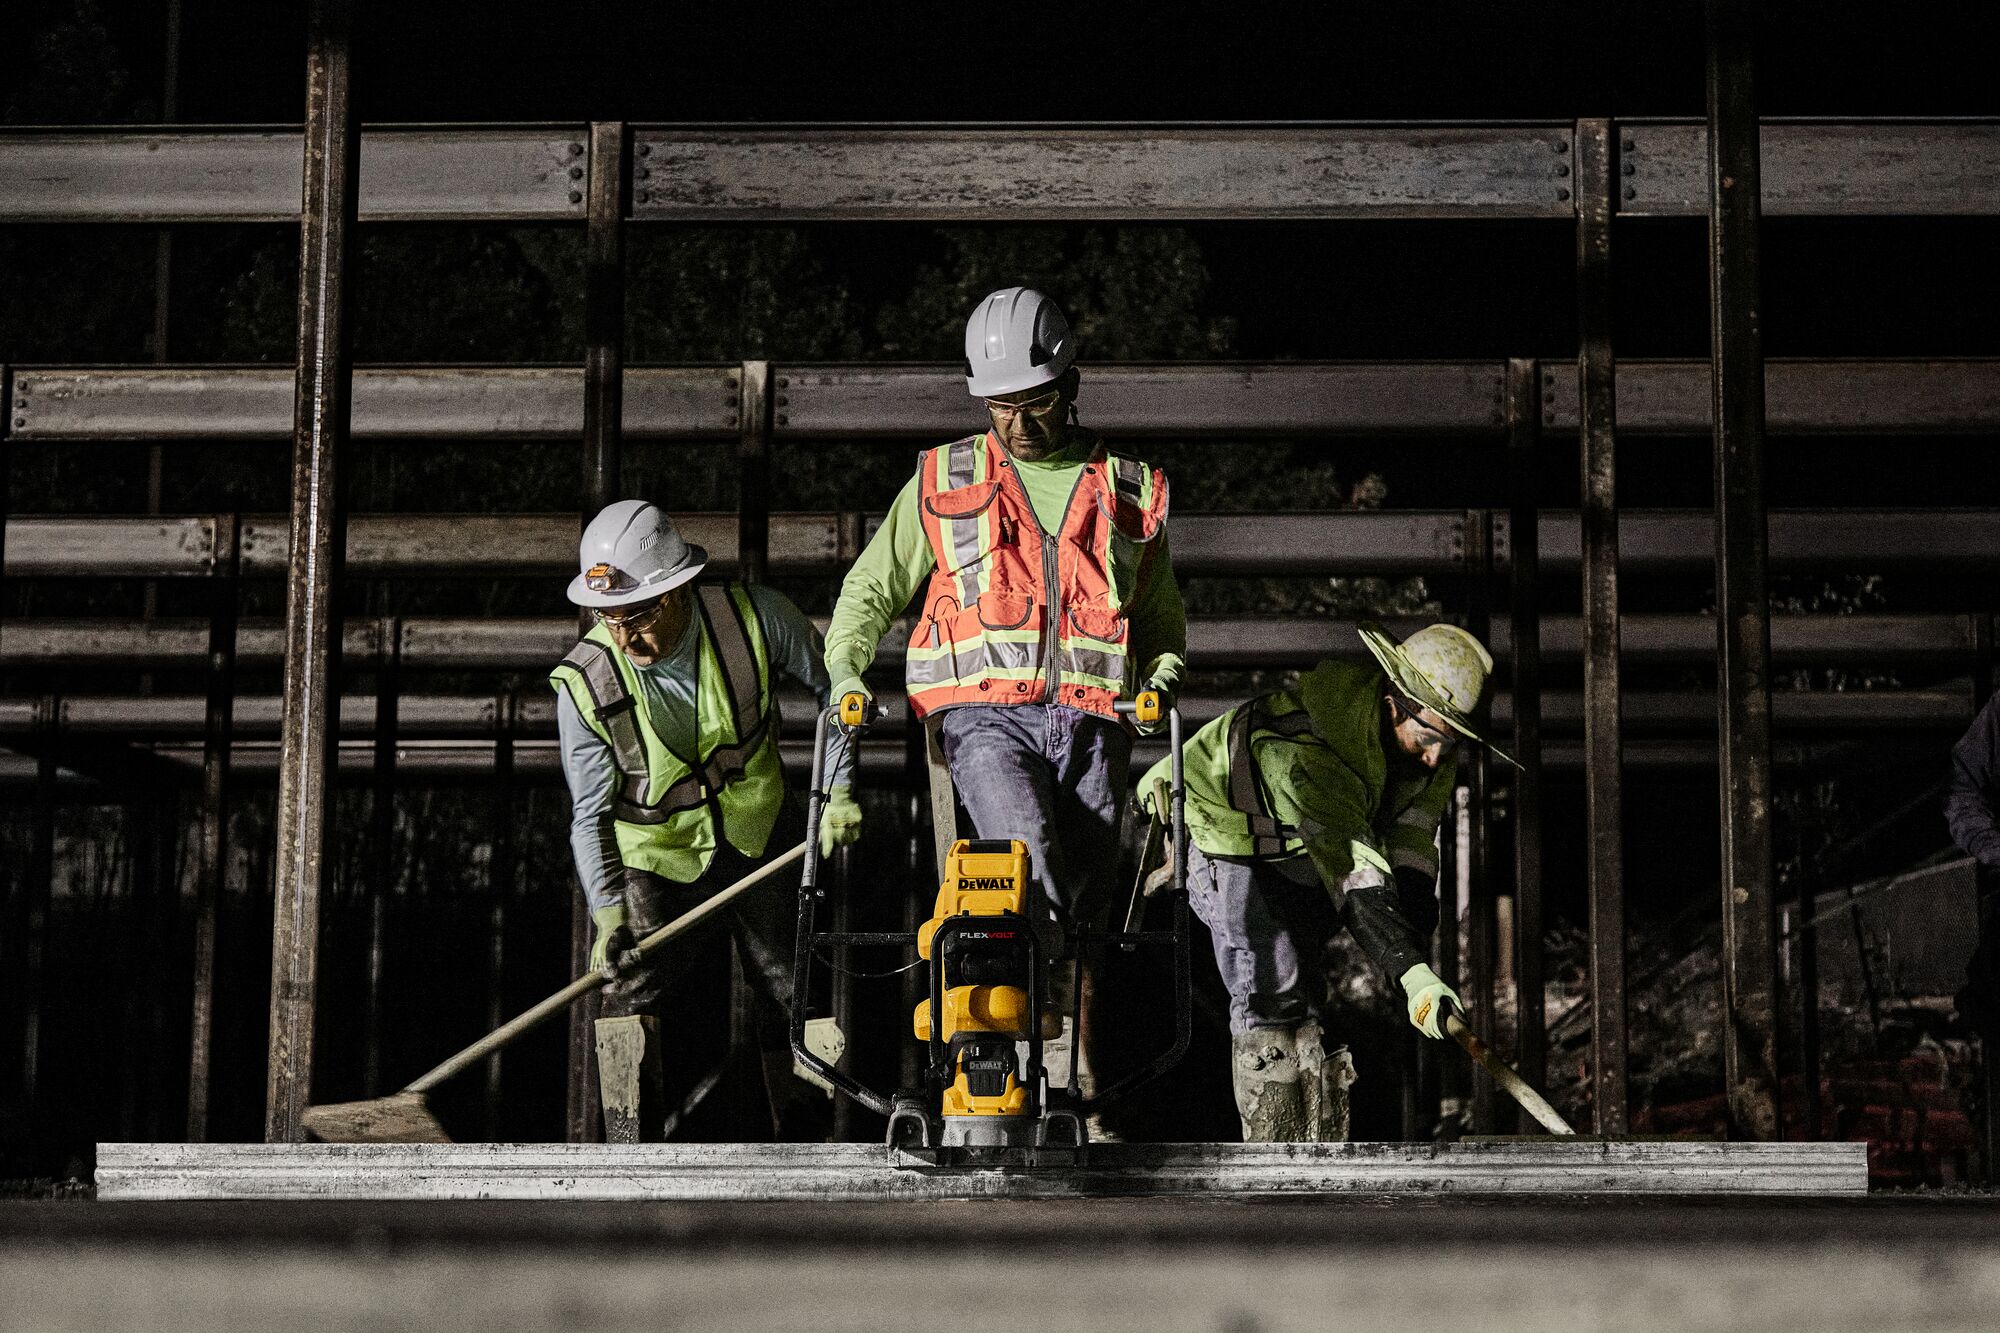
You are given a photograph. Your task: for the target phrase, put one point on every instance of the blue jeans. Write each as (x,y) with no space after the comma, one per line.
(1269,933)
(1052,777)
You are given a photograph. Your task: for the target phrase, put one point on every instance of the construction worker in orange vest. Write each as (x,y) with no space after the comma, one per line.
(1050,596)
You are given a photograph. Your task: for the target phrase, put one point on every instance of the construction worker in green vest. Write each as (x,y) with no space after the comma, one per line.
(1047,597)
(1313,808)
(667,713)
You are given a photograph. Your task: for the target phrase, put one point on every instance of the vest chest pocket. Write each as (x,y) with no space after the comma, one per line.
(1123,532)
(965,543)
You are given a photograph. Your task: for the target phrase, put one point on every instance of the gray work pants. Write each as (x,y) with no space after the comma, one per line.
(763,921)
(1269,933)
(1052,777)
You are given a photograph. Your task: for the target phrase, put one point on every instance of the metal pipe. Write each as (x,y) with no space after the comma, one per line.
(753,470)
(382,842)
(1482,903)
(1743,626)
(1604,815)
(318,548)
(1524,418)
(603,450)
(500,877)
(211,870)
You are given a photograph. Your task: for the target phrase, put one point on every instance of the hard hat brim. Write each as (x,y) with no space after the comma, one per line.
(580,593)
(1415,686)
(993,386)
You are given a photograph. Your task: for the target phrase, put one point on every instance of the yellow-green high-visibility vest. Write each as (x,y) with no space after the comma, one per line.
(666,806)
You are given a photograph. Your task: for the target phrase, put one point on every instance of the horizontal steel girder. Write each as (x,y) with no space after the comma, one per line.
(1214,642)
(928,403)
(408,173)
(997,173)
(1361,542)
(857,1171)
(110,764)
(533,713)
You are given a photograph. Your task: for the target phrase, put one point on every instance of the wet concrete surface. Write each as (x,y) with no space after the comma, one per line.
(1241,1266)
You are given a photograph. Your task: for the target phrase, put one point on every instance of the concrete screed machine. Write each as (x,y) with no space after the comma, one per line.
(988,953)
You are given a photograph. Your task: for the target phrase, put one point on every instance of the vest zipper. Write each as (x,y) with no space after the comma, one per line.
(1053,596)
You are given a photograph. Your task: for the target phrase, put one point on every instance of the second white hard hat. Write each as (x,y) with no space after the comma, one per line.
(629,553)
(1016,339)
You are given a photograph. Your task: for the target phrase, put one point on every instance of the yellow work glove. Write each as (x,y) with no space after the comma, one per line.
(852,685)
(839,819)
(1428,995)
(613,938)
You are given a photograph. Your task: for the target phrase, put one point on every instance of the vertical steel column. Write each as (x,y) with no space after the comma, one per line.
(212,845)
(1481,902)
(1986,903)
(753,470)
(39,895)
(1524,432)
(318,551)
(381,842)
(1451,1075)
(603,444)
(1743,618)
(500,872)
(1595,181)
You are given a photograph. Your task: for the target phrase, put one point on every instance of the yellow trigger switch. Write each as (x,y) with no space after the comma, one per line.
(1147,708)
(853,709)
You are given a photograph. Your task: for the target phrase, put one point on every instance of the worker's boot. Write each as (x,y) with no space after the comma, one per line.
(1264,1065)
(1324,1078)
(631,1083)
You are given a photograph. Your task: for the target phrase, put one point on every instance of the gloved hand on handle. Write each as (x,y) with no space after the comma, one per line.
(839,819)
(613,938)
(1427,996)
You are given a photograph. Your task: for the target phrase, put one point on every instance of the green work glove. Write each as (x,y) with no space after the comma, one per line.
(613,938)
(1428,996)
(839,819)
(1166,692)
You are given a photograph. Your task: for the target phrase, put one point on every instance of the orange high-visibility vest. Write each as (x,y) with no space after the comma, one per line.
(1015,615)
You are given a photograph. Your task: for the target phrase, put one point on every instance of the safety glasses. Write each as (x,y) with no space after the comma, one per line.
(1039,405)
(1427,733)
(633,618)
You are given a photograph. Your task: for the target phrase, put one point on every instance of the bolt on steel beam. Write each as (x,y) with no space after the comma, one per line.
(1743,622)
(317,556)
(1596,179)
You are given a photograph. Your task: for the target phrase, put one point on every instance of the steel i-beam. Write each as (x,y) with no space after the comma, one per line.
(318,547)
(1596,409)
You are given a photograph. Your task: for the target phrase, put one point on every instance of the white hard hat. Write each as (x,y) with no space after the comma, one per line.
(1441,667)
(630,553)
(1016,339)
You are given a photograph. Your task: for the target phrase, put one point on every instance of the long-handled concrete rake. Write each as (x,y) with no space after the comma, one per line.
(405,1117)
(1516,1087)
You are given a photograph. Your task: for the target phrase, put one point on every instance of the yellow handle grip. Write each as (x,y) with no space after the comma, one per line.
(854,709)
(1148,707)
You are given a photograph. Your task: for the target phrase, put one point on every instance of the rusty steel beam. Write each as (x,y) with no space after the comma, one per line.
(759,402)
(1596,409)
(313,578)
(1743,622)
(528,643)
(1825,168)
(1224,401)
(162,174)
(1148,173)
(211,870)
(1524,652)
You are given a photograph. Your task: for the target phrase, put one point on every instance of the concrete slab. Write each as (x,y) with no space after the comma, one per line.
(865,1172)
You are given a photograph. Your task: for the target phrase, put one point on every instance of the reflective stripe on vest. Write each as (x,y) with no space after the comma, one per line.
(996,598)
(1269,836)
(616,711)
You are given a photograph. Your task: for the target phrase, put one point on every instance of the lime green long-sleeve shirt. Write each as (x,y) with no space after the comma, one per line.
(899,559)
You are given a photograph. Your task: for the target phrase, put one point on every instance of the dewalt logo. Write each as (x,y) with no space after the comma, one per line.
(985,882)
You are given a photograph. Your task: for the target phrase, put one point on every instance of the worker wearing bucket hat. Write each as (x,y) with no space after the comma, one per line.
(667,713)
(1313,808)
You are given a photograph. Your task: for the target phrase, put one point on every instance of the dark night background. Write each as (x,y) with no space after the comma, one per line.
(1260,291)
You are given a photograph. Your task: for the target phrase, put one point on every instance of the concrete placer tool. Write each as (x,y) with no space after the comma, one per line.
(406,1117)
(986,1098)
